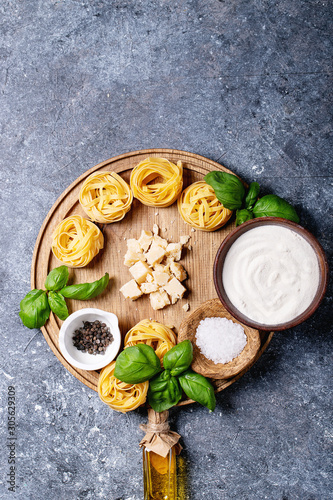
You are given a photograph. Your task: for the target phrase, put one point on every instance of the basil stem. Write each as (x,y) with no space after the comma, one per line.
(57,278)
(229,190)
(179,358)
(197,387)
(274,206)
(164,392)
(86,291)
(58,305)
(34,309)
(252,195)
(137,364)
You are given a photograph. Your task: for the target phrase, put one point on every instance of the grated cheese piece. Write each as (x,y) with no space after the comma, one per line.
(145,240)
(149,287)
(132,257)
(155,254)
(174,250)
(159,299)
(139,271)
(131,290)
(175,289)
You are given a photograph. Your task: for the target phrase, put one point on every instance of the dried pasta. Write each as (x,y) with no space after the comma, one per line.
(119,395)
(199,207)
(76,241)
(157,182)
(160,337)
(105,197)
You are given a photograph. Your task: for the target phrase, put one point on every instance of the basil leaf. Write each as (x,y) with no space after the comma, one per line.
(86,291)
(274,206)
(179,358)
(243,216)
(197,387)
(164,392)
(57,278)
(34,309)
(229,190)
(252,195)
(58,305)
(137,364)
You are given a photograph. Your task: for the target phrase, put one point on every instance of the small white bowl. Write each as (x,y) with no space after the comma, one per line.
(84,360)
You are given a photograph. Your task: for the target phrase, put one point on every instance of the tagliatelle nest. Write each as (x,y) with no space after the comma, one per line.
(160,337)
(105,197)
(157,182)
(119,395)
(76,241)
(199,207)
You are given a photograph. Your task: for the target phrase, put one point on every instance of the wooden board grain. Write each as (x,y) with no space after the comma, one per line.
(198,262)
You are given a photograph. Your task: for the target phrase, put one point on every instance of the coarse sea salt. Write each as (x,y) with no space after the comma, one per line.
(220,339)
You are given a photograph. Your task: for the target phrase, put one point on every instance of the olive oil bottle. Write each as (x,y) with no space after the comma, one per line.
(159,475)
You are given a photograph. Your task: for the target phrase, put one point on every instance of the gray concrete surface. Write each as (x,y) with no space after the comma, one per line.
(246,83)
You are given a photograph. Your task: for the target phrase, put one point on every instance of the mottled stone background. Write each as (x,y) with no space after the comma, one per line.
(246,83)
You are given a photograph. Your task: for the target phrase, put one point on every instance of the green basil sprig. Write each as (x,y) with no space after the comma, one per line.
(137,364)
(252,195)
(86,291)
(229,190)
(197,387)
(164,391)
(274,206)
(34,309)
(243,215)
(57,278)
(58,305)
(179,358)
(36,306)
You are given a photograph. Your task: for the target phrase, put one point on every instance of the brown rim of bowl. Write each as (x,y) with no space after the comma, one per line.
(246,226)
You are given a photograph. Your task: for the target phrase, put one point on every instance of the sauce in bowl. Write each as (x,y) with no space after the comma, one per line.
(271,274)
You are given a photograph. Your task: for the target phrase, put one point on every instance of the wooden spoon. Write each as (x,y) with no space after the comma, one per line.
(200,364)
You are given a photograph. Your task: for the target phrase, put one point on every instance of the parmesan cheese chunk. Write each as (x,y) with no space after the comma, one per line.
(178,271)
(134,245)
(184,239)
(145,239)
(160,241)
(132,257)
(175,289)
(149,287)
(174,250)
(161,278)
(131,290)
(161,268)
(186,307)
(155,254)
(159,299)
(139,271)
(155,229)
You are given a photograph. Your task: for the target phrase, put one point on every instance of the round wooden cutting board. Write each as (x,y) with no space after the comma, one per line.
(198,262)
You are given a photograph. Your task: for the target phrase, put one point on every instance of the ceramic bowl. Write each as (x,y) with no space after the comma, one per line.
(84,360)
(247,226)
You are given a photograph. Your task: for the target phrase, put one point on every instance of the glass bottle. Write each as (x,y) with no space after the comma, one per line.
(159,475)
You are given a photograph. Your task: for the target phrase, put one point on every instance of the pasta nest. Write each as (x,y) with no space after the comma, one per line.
(199,207)
(76,241)
(158,336)
(157,182)
(119,395)
(105,197)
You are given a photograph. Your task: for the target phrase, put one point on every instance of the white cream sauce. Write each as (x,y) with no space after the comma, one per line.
(271,274)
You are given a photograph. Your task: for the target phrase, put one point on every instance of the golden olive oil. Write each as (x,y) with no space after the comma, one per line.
(159,475)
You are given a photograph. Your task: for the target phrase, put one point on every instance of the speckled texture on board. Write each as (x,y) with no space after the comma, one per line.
(244,83)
